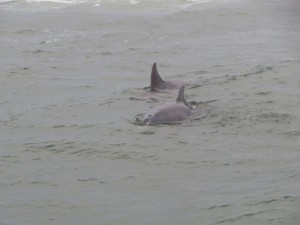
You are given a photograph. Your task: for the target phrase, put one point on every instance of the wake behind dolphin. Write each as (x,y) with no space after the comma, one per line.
(157,82)
(170,112)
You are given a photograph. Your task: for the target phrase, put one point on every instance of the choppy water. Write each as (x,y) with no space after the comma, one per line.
(146,5)
(72,79)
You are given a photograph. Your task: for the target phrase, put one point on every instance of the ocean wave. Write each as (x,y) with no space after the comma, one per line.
(51,4)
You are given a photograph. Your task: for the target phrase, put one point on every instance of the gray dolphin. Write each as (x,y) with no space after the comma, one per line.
(158,83)
(169,112)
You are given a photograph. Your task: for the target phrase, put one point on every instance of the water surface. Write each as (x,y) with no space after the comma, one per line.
(72,78)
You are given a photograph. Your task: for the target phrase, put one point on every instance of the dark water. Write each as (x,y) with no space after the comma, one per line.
(72,80)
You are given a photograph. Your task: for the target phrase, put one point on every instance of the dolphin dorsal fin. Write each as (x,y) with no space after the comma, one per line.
(155,78)
(180,97)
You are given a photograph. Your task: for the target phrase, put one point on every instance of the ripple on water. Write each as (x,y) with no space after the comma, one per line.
(51,146)
(258,70)
(274,117)
(112,151)
(273,200)
(292,133)
(219,206)
(241,217)
(77,126)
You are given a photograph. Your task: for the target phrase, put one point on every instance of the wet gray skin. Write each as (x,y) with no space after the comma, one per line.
(169,112)
(158,83)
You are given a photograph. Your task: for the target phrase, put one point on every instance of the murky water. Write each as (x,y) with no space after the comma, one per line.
(73,78)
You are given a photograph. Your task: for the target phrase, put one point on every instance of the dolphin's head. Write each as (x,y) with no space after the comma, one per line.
(147,119)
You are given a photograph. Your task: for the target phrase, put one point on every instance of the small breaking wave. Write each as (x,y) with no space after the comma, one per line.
(54,4)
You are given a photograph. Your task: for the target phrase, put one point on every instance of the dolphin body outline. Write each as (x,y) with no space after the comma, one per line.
(170,112)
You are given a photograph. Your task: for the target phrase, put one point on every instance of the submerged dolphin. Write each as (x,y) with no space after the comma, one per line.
(169,112)
(158,83)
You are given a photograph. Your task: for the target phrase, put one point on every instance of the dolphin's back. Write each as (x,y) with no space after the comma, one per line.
(167,113)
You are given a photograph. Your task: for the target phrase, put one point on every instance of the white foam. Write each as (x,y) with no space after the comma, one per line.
(190,3)
(147,4)
(57,1)
(134,2)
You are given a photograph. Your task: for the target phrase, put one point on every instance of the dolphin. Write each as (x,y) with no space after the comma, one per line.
(157,82)
(169,112)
